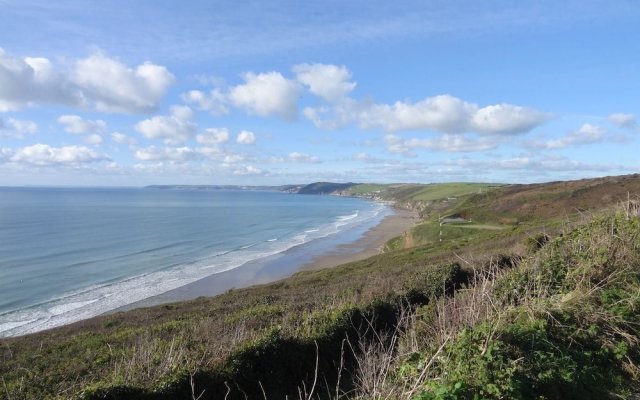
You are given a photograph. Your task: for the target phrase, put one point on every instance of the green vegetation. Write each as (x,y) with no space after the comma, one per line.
(365,188)
(324,188)
(445,190)
(546,307)
(562,325)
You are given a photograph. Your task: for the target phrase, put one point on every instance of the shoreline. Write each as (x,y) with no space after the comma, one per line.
(369,244)
(324,253)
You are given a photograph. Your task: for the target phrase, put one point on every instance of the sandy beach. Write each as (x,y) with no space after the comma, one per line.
(370,244)
(322,253)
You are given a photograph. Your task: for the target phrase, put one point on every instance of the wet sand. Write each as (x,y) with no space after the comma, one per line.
(370,244)
(321,253)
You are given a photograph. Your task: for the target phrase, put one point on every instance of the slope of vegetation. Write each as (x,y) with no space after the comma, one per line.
(484,313)
(324,188)
(564,323)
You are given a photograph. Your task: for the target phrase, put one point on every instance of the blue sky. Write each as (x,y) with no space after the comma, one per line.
(212,92)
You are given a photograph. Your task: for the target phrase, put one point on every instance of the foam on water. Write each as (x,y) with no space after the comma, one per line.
(98,299)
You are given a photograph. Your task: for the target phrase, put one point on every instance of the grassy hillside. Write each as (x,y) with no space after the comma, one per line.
(324,188)
(494,310)
(510,207)
(563,323)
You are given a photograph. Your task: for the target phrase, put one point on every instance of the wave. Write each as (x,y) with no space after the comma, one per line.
(347,217)
(98,299)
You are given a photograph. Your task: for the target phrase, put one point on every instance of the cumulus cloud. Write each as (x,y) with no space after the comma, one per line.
(115,87)
(213,136)
(100,81)
(43,155)
(621,120)
(449,114)
(174,129)
(76,124)
(303,158)
(505,119)
(214,102)
(587,134)
(29,80)
(330,82)
(246,137)
(266,94)
(16,128)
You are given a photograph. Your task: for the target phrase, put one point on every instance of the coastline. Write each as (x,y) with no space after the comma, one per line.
(369,244)
(322,253)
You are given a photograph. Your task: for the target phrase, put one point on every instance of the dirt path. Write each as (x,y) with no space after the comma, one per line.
(408,239)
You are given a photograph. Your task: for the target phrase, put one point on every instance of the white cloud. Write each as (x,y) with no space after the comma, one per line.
(232,158)
(337,116)
(76,124)
(452,143)
(121,138)
(173,129)
(448,143)
(175,154)
(330,82)
(395,144)
(97,80)
(213,136)
(43,154)
(368,158)
(247,170)
(448,114)
(17,128)
(266,94)
(441,113)
(29,80)
(210,151)
(303,158)
(214,102)
(536,164)
(93,139)
(506,119)
(115,87)
(246,137)
(114,167)
(587,134)
(627,121)
(5,154)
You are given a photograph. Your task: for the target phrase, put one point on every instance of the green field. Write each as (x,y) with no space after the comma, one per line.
(367,188)
(440,191)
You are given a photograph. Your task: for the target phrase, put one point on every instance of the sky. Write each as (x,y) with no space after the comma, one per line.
(133,93)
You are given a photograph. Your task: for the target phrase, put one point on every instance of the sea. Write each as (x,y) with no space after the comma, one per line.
(68,254)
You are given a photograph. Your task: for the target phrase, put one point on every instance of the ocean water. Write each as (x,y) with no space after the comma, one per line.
(70,254)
